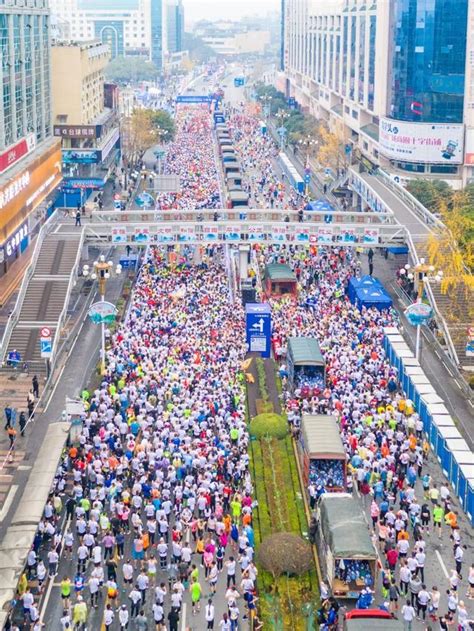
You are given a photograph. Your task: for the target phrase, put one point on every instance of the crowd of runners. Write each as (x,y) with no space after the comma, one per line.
(191,157)
(411,514)
(156,494)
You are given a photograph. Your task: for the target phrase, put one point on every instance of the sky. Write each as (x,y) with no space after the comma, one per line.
(231,9)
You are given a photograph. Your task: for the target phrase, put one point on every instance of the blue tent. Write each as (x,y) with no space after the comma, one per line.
(365,282)
(319,204)
(373,297)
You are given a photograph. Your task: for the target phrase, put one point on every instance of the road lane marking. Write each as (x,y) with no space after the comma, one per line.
(49,589)
(8,501)
(458,384)
(183,619)
(441,562)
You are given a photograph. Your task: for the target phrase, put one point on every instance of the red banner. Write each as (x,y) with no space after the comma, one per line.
(13,154)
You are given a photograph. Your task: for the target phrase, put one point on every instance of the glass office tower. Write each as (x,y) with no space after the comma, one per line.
(428,59)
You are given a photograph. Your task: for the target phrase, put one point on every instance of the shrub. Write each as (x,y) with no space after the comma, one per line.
(271,425)
(285,553)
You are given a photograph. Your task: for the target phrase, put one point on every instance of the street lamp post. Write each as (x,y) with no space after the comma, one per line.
(420,273)
(162,133)
(307,143)
(101,271)
(266,100)
(281,117)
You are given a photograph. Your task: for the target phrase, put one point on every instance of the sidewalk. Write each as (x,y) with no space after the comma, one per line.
(10,281)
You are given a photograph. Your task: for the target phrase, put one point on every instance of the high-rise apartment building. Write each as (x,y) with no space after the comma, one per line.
(30,160)
(390,75)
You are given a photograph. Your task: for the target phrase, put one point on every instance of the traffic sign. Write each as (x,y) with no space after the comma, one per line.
(46,348)
(45,332)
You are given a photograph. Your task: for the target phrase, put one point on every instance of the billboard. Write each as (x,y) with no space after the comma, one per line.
(21,194)
(80,156)
(422,142)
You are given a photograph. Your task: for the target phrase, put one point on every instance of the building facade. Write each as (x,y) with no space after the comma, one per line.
(122,24)
(130,27)
(30,164)
(389,77)
(175,26)
(158,23)
(85,116)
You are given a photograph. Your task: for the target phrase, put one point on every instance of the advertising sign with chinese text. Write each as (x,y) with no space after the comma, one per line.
(256,233)
(210,232)
(371,235)
(164,234)
(422,142)
(232,233)
(325,235)
(279,233)
(119,235)
(13,153)
(142,235)
(186,233)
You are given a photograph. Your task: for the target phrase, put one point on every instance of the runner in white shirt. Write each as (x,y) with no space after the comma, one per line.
(210,613)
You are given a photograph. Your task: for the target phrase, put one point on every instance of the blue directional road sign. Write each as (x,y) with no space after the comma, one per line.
(46,348)
(258,327)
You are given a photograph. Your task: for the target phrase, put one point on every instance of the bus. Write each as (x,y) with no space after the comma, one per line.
(291,173)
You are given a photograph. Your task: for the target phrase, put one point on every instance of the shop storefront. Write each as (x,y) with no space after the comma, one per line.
(22,203)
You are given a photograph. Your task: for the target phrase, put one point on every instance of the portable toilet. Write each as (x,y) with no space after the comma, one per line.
(458,445)
(439,420)
(445,433)
(459,453)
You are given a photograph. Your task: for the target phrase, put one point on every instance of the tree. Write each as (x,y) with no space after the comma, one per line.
(329,152)
(285,553)
(131,70)
(451,249)
(146,128)
(161,119)
(430,193)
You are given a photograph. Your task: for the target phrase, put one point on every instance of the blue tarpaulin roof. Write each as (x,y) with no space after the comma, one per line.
(368,292)
(319,204)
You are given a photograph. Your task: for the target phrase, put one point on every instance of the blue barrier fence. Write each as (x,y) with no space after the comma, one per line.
(451,450)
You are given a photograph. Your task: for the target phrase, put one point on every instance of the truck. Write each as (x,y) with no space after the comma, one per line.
(306,366)
(370,620)
(347,554)
(322,453)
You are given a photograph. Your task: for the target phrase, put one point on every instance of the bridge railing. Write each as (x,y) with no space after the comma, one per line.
(172,216)
(410,200)
(439,318)
(63,315)
(45,229)
(369,231)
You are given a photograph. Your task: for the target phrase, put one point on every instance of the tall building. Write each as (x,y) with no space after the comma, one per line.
(129,27)
(122,24)
(389,76)
(85,116)
(30,160)
(175,26)
(158,23)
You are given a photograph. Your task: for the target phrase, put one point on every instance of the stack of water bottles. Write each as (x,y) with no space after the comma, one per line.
(305,382)
(349,570)
(327,473)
